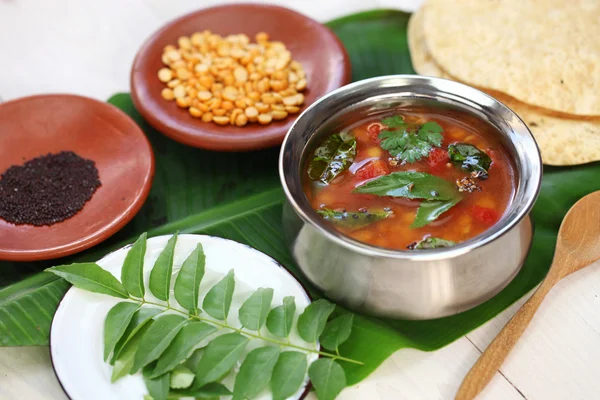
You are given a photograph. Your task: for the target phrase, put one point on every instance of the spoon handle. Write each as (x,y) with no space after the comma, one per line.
(492,358)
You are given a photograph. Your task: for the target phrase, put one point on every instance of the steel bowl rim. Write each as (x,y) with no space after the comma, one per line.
(501,228)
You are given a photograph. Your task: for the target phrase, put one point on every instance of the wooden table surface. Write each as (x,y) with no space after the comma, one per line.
(73,46)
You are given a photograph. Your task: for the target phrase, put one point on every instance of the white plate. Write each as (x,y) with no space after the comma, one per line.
(76,336)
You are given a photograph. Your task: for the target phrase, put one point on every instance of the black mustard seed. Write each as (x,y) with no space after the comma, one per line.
(47,189)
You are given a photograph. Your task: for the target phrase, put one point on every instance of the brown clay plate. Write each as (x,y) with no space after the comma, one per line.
(38,125)
(312,44)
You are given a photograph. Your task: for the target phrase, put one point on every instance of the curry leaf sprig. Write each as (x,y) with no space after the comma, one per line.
(184,349)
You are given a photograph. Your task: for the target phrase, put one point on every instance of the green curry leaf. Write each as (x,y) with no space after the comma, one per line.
(157,339)
(124,361)
(349,219)
(158,388)
(132,273)
(281,318)
(182,377)
(91,277)
(431,242)
(410,185)
(288,374)
(142,317)
(336,332)
(429,211)
(470,158)
(327,377)
(219,357)
(312,321)
(333,156)
(218,299)
(255,372)
(187,283)
(116,323)
(208,391)
(160,276)
(182,345)
(253,312)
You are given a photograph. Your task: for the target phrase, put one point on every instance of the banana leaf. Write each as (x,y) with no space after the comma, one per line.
(238,196)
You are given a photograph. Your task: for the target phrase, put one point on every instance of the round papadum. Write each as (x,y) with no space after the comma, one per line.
(541,52)
(562,141)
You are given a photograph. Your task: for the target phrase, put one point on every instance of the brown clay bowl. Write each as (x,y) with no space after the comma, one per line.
(312,44)
(38,125)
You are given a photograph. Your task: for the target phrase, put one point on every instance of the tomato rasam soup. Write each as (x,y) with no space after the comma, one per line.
(411,180)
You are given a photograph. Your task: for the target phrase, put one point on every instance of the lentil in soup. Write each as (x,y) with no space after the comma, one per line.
(415,180)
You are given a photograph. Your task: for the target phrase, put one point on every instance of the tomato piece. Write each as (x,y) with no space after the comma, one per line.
(485,215)
(373,169)
(494,156)
(438,158)
(374,130)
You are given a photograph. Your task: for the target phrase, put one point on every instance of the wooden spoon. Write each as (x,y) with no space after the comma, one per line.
(577,247)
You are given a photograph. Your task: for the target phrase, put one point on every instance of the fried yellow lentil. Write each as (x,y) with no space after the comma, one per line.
(229,80)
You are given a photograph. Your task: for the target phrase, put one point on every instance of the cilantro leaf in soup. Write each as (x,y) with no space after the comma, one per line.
(404,145)
(409,142)
(470,158)
(431,242)
(332,157)
(397,121)
(353,219)
(410,185)
(431,132)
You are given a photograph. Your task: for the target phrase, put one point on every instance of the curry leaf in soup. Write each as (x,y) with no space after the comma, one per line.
(470,158)
(429,211)
(431,242)
(353,219)
(410,185)
(332,157)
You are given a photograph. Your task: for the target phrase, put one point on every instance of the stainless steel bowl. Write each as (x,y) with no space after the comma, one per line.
(407,284)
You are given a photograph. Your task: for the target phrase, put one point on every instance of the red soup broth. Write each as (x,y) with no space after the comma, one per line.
(476,211)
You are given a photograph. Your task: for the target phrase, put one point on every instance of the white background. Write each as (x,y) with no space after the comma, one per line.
(87,46)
